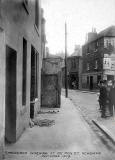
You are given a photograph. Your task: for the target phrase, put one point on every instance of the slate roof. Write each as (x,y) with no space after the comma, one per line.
(108,32)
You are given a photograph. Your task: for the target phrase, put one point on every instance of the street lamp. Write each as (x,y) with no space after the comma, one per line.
(66,78)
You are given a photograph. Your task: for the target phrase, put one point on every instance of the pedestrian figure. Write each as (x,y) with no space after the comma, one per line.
(100,94)
(108,99)
(112,98)
(99,99)
(109,85)
(103,98)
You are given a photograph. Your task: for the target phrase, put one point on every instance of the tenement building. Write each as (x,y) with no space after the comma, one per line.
(98,58)
(20,66)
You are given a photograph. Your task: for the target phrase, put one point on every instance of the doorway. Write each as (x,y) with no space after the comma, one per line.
(10,100)
(34,80)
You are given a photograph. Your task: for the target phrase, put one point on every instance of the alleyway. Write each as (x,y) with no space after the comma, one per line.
(71,136)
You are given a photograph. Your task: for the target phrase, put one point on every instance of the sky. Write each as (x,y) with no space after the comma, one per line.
(80,15)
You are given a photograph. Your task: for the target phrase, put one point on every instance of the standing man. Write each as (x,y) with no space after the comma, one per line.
(100,94)
(112,98)
(103,98)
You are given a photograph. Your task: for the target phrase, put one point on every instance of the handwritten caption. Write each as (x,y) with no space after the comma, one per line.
(54,154)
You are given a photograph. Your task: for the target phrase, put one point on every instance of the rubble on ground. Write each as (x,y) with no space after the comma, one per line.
(41,122)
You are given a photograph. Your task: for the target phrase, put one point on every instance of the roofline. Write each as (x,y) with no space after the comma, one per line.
(99,36)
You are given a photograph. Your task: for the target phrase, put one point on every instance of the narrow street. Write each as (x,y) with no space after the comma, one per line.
(69,138)
(87,104)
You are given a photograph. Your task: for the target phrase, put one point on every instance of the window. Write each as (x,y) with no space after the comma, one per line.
(87,66)
(37,13)
(37,60)
(106,43)
(97,44)
(96,64)
(24,70)
(113,42)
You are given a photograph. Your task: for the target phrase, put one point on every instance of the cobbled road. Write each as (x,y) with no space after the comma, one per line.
(88,106)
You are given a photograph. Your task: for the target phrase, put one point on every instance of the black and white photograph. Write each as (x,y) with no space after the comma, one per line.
(57,79)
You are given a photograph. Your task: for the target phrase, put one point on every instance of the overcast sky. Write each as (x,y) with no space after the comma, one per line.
(80,15)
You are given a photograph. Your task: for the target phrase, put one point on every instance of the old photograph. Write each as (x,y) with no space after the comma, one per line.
(57,79)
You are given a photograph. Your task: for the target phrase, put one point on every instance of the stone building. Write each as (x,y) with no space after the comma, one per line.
(98,58)
(20,67)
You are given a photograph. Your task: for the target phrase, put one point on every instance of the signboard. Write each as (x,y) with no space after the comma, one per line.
(109,72)
(109,62)
(106,63)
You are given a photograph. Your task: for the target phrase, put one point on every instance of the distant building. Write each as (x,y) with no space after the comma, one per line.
(20,66)
(74,70)
(98,58)
(77,51)
(52,64)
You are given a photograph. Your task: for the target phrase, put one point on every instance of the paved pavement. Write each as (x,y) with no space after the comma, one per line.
(106,125)
(70,138)
(91,109)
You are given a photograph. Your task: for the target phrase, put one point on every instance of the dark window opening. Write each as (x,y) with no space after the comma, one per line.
(36,94)
(10,97)
(24,72)
(34,74)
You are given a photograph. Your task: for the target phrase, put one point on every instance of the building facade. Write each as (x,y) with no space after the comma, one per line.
(98,58)
(74,70)
(20,67)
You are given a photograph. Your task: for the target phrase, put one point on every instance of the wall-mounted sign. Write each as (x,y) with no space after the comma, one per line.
(109,72)
(106,63)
